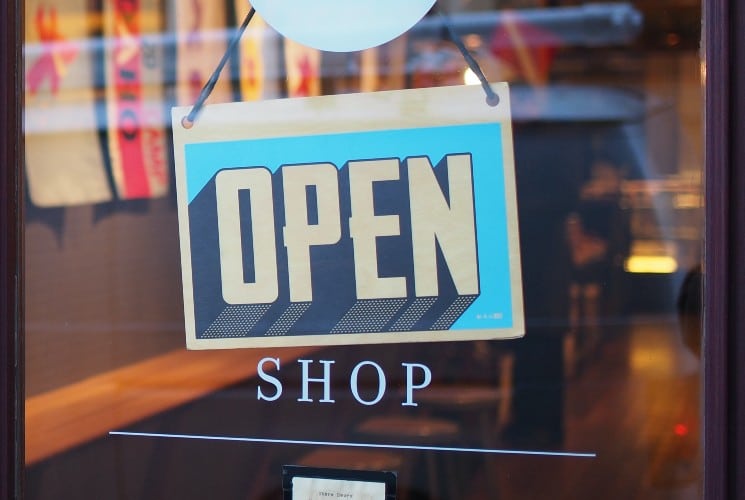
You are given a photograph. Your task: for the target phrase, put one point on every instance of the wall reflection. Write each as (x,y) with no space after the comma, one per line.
(607,116)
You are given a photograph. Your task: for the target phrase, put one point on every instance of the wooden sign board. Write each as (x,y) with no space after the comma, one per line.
(360,218)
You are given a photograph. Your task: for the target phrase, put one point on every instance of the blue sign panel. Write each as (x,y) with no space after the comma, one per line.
(348,232)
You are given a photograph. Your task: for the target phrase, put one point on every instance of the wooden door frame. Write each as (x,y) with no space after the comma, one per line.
(724,253)
(724,250)
(11,254)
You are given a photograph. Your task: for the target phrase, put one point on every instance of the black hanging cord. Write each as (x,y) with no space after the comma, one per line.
(492,99)
(188,120)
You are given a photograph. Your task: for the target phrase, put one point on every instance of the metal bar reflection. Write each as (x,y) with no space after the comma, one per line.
(585,25)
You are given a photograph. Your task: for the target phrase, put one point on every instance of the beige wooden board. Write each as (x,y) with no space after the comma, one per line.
(342,114)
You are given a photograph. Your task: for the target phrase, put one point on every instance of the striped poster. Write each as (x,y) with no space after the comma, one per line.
(201,42)
(259,57)
(384,67)
(64,160)
(370,70)
(135,97)
(303,67)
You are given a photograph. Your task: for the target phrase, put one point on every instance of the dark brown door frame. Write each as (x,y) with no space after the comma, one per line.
(11,297)
(724,289)
(724,283)
(11,340)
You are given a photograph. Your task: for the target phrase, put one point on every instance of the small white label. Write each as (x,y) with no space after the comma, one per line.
(307,488)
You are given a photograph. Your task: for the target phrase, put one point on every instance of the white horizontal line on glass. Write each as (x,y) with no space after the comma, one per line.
(354,445)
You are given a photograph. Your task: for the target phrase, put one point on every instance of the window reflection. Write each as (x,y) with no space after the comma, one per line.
(606,102)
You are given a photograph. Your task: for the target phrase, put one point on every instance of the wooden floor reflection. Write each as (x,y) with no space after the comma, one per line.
(633,400)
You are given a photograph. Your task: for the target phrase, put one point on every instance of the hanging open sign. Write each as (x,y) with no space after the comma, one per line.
(366,218)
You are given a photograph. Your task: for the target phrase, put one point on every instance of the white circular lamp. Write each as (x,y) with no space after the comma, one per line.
(342,25)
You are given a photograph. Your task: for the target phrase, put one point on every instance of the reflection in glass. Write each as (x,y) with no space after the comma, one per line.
(606,102)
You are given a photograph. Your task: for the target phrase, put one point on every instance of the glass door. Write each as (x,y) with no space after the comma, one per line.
(600,396)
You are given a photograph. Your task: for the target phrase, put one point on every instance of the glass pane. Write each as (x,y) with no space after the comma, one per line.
(600,397)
